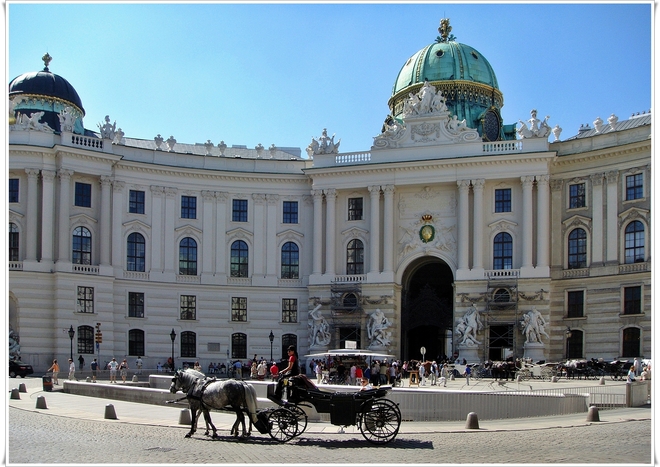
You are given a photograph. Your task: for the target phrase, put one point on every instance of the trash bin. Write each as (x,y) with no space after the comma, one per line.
(47,383)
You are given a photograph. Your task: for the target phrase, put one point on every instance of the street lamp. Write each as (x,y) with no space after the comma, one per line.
(569,333)
(71,334)
(172,336)
(271,337)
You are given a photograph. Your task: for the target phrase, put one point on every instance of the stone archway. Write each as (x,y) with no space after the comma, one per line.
(427,309)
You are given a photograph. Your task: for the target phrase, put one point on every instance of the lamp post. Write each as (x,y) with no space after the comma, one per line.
(271,337)
(71,334)
(569,333)
(172,336)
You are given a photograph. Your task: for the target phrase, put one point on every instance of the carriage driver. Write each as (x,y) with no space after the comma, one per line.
(293,369)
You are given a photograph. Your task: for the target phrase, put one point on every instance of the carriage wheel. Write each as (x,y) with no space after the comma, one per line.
(283,425)
(381,423)
(301,417)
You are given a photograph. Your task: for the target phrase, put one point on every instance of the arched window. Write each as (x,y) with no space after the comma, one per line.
(188,257)
(631,343)
(290,261)
(287,340)
(13,242)
(136,342)
(577,249)
(239,259)
(503,251)
(501,296)
(85,339)
(188,344)
(135,253)
(634,242)
(239,345)
(355,257)
(82,246)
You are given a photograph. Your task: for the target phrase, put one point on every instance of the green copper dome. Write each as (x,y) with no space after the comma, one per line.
(465,78)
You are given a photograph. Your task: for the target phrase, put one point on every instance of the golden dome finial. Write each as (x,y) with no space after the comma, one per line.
(47,59)
(445,31)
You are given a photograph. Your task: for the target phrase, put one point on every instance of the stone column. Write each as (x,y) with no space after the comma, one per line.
(527,216)
(208,242)
(388,228)
(64,224)
(317,262)
(106,224)
(330,227)
(32,210)
(171,247)
(259,246)
(271,254)
(118,239)
(463,224)
(374,234)
(612,217)
(542,221)
(478,224)
(597,218)
(48,195)
(157,227)
(221,233)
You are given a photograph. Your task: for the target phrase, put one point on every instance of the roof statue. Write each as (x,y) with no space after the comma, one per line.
(324,145)
(107,129)
(536,129)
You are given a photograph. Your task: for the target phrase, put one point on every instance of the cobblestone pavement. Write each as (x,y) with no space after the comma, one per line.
(39,437)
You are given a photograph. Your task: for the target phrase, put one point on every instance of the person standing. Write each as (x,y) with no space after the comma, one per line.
(637,367)
(94,366)
(123,369)
(81,362)
(444,375)
(261,370)
(273,371)
(631,375)
(138,365)
(112,366)
(468,373)
(352,373)
(72,370)
(55,368)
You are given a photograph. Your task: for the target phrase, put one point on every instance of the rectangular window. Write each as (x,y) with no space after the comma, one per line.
(289,310)
(85,302)
(239,308)
(354,209)
(136,304)
(290,212)
(632,300)
(503,200)
(136,202)
(188,307)
(575,305)
(83,195)
(239,211)
(189,207)
(634,186)
(577,196)
(13,190)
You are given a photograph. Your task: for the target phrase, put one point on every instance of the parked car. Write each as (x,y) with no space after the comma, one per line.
(18,368)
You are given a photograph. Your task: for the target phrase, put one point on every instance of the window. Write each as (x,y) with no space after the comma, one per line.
(85,302)
(85,339)
(574,344)
(136,202)
(83,195)
(239,210)
(13,190)
(13,242)
(349,301)
(576,196)
(577,249)
(136,342)
(188,344)
(289,310)
(287,340)
(188,207)
(503,251)
(631,343)
(355,257)
(188,257)
(136,305)
(632,300)
(501,296)
(354,209)
(135,252)
(575,304)
(290,212)
(239,345)
(290,268)
(239,308)
(634,242)
(503,200)
(82,246)
(188,307)
(239,259)
(634,186)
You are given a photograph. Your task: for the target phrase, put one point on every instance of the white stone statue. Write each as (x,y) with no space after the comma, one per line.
(159,141)
(108,129)
(319,330)
(612,119)
(376,329)
(170,143)
(556,131)
(32,122)
(324,145)
(118,136)
(533,325)
(67,119)
(598,124)
(536,129)
(469,326)
(14,346)
(426,101)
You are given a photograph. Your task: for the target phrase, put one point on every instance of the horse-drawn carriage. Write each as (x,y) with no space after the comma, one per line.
(378,419)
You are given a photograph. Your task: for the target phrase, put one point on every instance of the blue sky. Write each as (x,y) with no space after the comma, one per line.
(280,73)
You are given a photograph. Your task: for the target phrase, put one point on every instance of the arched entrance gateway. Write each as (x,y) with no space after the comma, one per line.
(427,309)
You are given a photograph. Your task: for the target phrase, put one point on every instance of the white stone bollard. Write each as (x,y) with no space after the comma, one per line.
(15,394)
(41,402)
(184,417)
(110,412)
(592,415)
(472,422)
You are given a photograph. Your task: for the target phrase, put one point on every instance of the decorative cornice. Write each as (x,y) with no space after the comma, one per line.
(593,155)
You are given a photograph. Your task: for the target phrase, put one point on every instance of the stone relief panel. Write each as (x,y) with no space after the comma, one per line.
(437,201)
